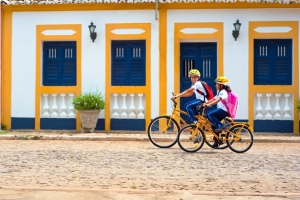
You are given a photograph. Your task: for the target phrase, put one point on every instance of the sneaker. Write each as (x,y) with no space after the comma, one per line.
(224,127)
(197,139)
(193,123)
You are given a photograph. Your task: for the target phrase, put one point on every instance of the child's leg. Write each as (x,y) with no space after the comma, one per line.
(215,116)
(190,108)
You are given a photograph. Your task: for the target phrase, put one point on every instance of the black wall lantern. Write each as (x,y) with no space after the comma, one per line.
(236,31)
(92,28)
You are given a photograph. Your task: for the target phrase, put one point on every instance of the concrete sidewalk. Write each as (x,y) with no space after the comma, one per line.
(122,136)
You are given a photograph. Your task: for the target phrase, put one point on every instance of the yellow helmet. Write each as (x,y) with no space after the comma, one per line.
(194,72)
(222,80)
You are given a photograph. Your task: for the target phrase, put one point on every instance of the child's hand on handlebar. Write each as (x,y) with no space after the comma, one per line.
(205,105)
(174,97)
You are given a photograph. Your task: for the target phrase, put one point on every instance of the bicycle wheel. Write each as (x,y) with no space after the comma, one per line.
(210,141)
(163,132)
(187,143)
(239,138)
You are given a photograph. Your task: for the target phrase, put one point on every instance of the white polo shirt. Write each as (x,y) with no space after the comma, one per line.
(198,86)
(224,96)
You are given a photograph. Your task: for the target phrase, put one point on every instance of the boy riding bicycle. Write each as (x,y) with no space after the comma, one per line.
(197,86)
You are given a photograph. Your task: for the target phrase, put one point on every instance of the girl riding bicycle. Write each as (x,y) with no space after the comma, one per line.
(190,106)
(220,113)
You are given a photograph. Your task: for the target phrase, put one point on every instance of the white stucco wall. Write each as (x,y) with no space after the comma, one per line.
(235,52)
(93,54)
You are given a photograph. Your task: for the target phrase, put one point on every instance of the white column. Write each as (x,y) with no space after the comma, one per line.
(259,108)
(132,115)
(287,109)
(71,113)
(54,108)
(124,107)
(115,107)
(140,107)
(45,107)
(268,107)
(63,107)
(277,107)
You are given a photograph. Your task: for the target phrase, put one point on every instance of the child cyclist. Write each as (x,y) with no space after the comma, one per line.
(190,106)
(218,114)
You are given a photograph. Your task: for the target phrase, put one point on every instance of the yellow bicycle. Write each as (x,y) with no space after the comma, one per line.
(238,137)
(163,130)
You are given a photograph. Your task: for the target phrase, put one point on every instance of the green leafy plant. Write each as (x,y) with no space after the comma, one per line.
(89,101)
(3,127)
(298,104)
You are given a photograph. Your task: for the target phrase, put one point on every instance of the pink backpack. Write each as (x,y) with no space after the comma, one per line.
(232,104)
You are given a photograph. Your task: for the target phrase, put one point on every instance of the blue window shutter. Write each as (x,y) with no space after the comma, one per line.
(128,63)
(51,66)
(59,63)
(68,65)
(273,62)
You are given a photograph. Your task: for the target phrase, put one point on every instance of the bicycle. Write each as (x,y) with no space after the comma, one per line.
(191,138)
(163,130)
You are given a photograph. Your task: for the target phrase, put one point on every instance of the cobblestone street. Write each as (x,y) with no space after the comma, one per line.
(139,166)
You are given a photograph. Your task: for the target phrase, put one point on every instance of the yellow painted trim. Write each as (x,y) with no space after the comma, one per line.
(163,62)
(151,6)
(294,88)
(6,66)
(56,89)
(128,89)
(218,36)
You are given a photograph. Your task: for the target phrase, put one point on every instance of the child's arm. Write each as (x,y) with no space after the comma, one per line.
(212,102)
(185,93)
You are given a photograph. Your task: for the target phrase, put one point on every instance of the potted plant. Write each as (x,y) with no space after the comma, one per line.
(89,106)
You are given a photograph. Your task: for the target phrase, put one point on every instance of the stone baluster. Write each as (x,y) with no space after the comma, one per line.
(277,108)
(54,108)
(132,115)
(45,110)
(124,107)
(140,107)
(71,107)
(287,109)
(115,107)
(63,107)
(268,107)
(259,108)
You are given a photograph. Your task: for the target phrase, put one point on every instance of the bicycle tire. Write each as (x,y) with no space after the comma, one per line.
(188,144)
(158,137)
(242,144)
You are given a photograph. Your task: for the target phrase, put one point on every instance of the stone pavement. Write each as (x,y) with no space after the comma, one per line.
(259,137)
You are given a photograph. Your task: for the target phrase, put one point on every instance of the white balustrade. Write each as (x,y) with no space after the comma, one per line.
(132,115)
(71,113)
(259,108)
(46,113)
(57,106)
(115,107)
(287,109)
(132,106)
(140,108)
(124,107)
(54,108)
(276,106)
(63,107)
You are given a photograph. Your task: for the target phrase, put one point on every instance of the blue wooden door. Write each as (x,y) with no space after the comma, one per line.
(201,56)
